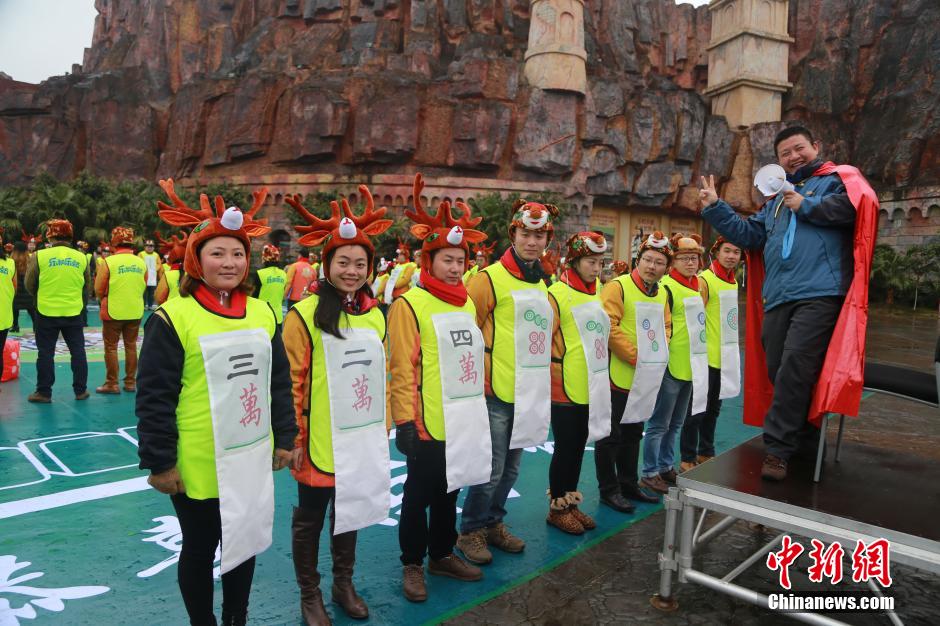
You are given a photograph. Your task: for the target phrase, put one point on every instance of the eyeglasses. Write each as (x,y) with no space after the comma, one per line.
(654,263)
(687,259)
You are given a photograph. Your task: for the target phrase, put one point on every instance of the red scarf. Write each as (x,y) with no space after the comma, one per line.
(652,291)
(451,294)
(691,282)
(209,299)
(573,280)
(719,271)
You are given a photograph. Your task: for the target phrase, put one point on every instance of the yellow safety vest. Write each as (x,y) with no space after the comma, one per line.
(470,273)
(319,420)
(573,365)
(273,285)
(503,351)
(195,447)
(713,315)
(680,352)
(126,286)
(7,274)
(172,282)
(61,281)
(621,372)
(424,306)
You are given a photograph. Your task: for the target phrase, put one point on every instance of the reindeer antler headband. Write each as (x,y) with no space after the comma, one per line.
(442,230)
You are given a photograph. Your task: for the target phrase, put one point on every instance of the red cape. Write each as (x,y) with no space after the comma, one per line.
(839,388)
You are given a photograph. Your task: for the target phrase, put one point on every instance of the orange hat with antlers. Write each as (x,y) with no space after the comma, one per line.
(483,249)
(174,248)
(270,253)
(403,248)
(29,238)
(344,228)
(585,243)
(230,222)
(533,216)
(443,230)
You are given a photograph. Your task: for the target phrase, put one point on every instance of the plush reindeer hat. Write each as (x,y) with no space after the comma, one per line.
(442,230)
(208,224)
(344,228)
(550,259)
(482,248)
(174,248)
(403,248)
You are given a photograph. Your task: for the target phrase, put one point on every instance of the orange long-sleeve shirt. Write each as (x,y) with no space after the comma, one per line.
(405,367)
(621,345)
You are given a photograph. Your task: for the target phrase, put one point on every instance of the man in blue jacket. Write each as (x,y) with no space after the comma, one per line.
(806,236)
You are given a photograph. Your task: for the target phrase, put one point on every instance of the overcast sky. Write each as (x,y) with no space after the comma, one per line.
(43,38)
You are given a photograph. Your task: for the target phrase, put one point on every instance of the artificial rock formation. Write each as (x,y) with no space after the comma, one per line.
(307,95)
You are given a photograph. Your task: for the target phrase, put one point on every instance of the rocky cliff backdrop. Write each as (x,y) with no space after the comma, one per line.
(307,93)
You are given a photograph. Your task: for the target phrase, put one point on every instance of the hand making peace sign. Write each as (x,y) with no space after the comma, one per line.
(707,195)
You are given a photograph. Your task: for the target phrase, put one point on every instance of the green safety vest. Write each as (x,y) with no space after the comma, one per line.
(7,274)
(503,352)
(574,372)
(126,286)
(61,281)
(680,352)
(273,285)
(424,305)
(621,372)
(195,446)
(713,315)
(319,421)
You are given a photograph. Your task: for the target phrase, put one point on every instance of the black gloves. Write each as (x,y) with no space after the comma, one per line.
(406,438)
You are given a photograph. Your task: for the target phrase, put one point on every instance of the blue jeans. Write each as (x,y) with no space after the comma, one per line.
(485,505)
(672,404)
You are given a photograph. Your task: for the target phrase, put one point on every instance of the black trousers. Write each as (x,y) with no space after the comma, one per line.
(428,511)
(202,532)
(698,432)
(3,340)
(148,295)
(795,338)
(616,457)
(570,427)
(47,333)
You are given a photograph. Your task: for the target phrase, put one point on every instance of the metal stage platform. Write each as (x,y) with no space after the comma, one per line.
(869,494)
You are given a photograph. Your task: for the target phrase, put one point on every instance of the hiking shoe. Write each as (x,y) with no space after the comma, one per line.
(453,566)
(565,521)
(39,398)
(473,546)
(701,459)
(499,537)
(654,483)
(82,396)
(413,586)
(669,477)
(773,468)
(685,466)
(107,389)
(639,493)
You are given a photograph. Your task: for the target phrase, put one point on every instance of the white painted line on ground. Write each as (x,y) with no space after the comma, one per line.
(72,496)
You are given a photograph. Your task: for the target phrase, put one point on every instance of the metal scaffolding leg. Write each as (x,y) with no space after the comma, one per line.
(713,532)
(754,558)
(665,600)
(685,539)
(698,527)
(891,614)
(821,448)
(839,436)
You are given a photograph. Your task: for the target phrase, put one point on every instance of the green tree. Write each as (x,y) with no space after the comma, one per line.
(890,272)
(923,263)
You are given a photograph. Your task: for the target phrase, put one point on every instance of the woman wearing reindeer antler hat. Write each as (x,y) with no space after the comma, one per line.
(334,341)
(436,400)
(513,312)
(214,384)
(580,382)
(174,250)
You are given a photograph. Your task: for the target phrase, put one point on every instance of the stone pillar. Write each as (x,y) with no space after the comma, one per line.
(748,60)
(555,57)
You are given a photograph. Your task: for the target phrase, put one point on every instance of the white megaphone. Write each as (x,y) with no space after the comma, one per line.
(771,180)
